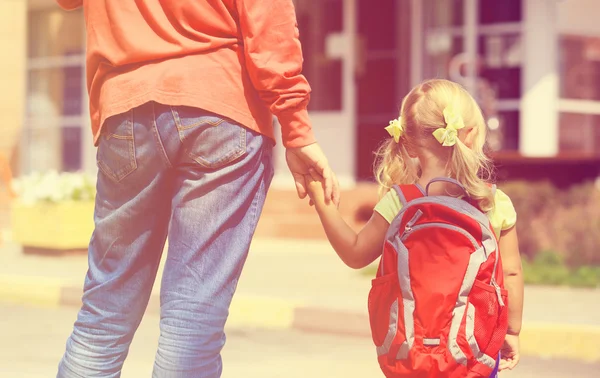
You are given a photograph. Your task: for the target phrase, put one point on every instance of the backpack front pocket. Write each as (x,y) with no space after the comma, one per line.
(385,309)
(486,319)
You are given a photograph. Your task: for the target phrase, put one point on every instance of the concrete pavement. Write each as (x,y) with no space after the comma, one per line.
(33,341)
(301,284)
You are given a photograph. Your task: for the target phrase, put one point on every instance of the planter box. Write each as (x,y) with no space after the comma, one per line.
(53,227)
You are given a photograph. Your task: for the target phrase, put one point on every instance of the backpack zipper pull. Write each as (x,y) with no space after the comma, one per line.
(498,292)
(412,221)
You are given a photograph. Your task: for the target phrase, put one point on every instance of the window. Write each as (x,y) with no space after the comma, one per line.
(382,75)
(443,13)
(579,105)
(317,21)
(497,37)
(379,69)
(494,11)
(501,63)
(579,133)
(56,114)
(580,67)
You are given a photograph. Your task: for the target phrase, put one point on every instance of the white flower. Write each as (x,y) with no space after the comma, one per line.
(54,187)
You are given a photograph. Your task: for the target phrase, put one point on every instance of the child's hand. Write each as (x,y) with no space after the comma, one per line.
(315,188)
(509,353)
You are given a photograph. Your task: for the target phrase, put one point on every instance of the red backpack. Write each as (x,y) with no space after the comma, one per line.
(437,307)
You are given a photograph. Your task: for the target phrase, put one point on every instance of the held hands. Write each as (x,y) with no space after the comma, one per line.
(315,185)
(510,353)
(302,159)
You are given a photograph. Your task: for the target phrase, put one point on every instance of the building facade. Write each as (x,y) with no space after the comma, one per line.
(533,65)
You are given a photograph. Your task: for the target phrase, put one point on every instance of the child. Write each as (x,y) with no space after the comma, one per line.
(440,133)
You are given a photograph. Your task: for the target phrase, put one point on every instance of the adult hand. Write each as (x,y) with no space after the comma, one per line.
(315,188)
(301,159)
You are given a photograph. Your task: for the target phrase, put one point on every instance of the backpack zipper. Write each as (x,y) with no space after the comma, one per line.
(410,227)
(498,291)
(493,280)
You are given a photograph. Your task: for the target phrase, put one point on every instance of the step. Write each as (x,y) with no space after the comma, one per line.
(286,216)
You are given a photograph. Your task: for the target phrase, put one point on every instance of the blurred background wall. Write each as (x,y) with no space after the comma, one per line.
(13,23)
(534,66)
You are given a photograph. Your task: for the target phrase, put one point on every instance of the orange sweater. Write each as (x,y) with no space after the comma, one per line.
(238,58)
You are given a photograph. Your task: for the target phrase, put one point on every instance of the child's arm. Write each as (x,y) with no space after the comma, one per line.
(513,281)
(355,250)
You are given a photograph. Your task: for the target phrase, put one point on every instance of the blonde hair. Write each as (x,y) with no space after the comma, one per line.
(421,114)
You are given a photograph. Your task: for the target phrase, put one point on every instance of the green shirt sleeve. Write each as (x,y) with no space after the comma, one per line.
(504,215)
(389,206)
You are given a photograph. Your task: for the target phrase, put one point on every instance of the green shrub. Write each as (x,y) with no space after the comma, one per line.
(531,202)
(549,268)
(566,221)
(586,276)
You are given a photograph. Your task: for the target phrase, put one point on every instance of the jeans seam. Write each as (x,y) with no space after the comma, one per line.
(243,141)
(158,138)
(177,121)
(259,198)
(132,164)
(180,127)
(132,158)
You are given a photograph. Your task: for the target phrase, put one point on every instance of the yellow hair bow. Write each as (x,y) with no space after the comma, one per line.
(449,135)
(396,129)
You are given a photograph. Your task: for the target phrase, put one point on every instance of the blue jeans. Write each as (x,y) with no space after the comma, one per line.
(202,180)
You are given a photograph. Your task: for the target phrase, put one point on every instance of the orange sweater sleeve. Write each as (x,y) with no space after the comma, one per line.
(274,62)
(70,4)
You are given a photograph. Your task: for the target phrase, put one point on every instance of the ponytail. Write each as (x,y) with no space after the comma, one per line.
(473,170)
(433,105)
(393,165)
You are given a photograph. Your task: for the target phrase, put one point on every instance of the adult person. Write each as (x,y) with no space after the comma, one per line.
(182,95)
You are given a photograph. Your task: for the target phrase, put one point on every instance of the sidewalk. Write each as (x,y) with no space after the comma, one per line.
(301,284)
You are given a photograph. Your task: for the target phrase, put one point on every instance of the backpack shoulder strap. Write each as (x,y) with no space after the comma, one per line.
(407,193)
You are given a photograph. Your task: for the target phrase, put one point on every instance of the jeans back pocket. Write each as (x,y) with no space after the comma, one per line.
(116,149)
(209,139)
